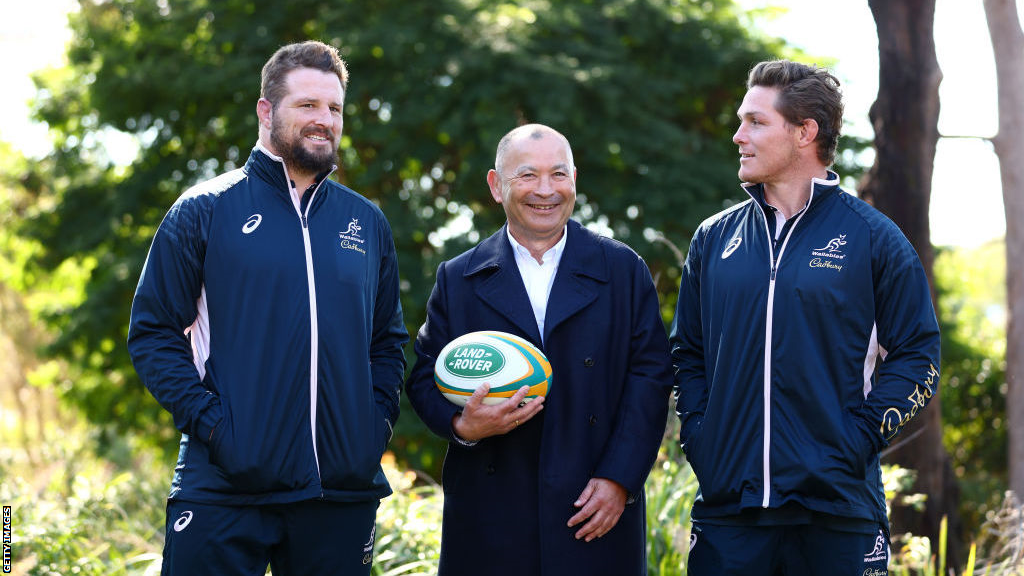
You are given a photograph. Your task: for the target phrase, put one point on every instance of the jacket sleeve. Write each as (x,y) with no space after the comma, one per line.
(643,410)
(432,407)
(387,356)
(687,340)
(165,305)
(908,339)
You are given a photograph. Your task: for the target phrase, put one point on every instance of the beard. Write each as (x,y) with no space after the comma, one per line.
(295,154)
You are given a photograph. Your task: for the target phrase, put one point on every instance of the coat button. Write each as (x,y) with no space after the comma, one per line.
(593,419)
(588,362)
(490,469)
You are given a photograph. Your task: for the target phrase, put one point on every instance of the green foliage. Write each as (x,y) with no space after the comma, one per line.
(645,89)
(81,515)
(998,554)
(408,524)
(670,491)
(972,313)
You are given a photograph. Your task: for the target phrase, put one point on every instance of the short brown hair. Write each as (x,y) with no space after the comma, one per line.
(805,92)
(309,54)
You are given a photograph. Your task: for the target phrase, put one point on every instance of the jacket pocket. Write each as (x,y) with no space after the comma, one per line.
(692,448)
(238,460)
(857,450)
(350,447)
(702,469)
(223,453)
(383,433)
(720,472)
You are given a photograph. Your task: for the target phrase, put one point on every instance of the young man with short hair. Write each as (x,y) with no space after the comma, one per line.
(804,340)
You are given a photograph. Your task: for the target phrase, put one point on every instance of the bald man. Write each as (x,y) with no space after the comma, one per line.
(553,486)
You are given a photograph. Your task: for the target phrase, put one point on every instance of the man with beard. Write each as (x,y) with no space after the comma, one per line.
(267,322)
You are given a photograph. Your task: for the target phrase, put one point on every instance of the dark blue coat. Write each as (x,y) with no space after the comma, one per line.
(508,498)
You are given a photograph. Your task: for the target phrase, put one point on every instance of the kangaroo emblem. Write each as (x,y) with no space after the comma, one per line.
(354,227)
(879,546)
(834,244)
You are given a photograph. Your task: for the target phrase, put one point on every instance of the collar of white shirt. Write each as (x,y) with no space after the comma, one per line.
(553,254)
(538,278)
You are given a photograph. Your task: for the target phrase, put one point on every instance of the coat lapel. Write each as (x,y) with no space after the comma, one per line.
(495,278)
(580,273)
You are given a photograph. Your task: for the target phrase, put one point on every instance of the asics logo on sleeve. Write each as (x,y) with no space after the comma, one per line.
(252,223)
(183,521)
(731,247)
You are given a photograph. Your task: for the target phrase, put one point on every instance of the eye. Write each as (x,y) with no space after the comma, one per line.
(527,177)
(559,176)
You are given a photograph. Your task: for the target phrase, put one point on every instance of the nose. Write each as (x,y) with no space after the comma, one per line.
(323,116)
(740,136)
(545,186)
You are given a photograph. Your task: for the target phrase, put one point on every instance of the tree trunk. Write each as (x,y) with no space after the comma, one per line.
(1008,47)
(905,119)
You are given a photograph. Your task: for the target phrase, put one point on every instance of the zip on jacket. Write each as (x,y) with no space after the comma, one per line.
(776,259)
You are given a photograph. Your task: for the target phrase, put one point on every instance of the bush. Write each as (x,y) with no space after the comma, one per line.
(670,490)
(80,515)
(408,524)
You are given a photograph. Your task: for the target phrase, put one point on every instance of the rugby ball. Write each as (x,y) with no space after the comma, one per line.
(504,361)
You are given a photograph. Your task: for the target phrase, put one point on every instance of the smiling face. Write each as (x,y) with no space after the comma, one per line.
(768,144)
(305,125)
(537,188)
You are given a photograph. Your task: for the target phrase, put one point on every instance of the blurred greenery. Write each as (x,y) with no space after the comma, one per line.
(972,313)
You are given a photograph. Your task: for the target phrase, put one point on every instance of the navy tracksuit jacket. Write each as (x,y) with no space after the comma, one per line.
(798,359)
(286,386)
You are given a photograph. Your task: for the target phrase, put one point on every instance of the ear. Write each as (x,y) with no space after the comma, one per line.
(494,183)
(265,112)
(807,132)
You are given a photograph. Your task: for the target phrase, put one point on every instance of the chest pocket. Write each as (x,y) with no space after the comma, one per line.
(350,247)
(831,274)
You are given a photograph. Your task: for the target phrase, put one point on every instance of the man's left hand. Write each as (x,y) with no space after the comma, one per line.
(601,504)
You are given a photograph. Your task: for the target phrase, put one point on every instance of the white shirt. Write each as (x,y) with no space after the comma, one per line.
(538,278)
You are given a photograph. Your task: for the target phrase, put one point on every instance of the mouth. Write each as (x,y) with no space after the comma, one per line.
(543,207)
(318,137)
(745,155)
